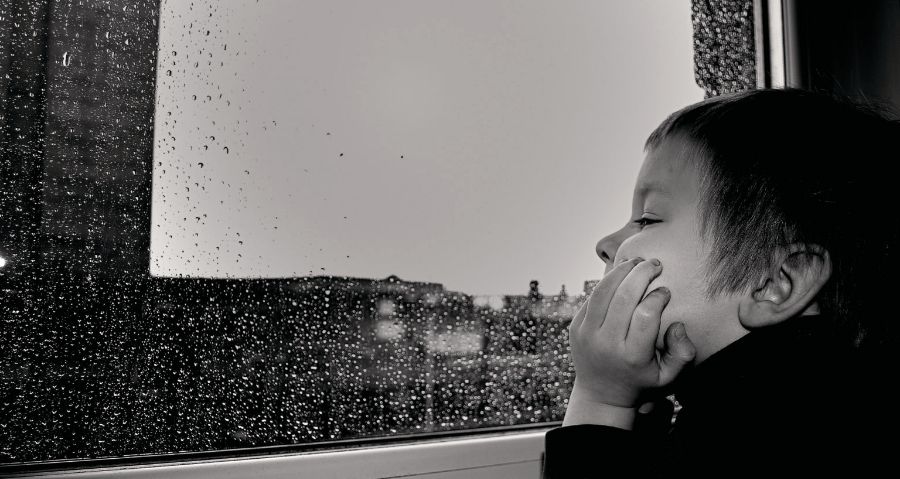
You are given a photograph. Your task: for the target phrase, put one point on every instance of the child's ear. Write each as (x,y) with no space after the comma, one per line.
(789,289)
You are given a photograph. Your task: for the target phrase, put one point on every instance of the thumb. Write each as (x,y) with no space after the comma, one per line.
(679,352)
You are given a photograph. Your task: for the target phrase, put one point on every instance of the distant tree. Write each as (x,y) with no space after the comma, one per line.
(533,293)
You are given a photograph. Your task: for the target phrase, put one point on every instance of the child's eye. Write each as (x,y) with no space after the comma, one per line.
(642,222)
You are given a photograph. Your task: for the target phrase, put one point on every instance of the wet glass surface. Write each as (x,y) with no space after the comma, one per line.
(180,258)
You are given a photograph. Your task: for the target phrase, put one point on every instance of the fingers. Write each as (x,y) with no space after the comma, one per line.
(595,308)
(640,339)
(579,317)
(627,298)
(679,352)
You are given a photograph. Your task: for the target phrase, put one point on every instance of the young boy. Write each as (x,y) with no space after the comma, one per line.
(753,282)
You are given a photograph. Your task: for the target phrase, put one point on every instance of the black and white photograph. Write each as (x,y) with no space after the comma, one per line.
(449,239)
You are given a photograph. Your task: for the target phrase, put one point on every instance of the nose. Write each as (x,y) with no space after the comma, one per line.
(608,247)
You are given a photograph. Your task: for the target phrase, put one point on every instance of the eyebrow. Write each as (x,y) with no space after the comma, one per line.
(652,187)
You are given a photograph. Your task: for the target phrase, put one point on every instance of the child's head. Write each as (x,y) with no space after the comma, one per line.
(764,205)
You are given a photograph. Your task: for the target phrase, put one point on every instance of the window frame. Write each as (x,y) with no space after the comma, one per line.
(389,456)
(445,448)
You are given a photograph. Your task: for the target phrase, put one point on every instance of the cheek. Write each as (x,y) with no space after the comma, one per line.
(671,313)
(644,245)
(680,309)
(688,304)
(669,277)
(683,297)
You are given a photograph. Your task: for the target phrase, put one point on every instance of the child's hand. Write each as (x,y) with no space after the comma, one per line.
(613,340)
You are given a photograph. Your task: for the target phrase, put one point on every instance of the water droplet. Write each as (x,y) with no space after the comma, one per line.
(66,59)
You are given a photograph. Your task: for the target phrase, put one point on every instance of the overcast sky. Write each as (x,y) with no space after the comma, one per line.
(479,144)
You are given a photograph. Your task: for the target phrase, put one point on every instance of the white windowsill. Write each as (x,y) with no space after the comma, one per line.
(503,455)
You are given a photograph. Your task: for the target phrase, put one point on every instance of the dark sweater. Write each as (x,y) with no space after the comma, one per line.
(784,399)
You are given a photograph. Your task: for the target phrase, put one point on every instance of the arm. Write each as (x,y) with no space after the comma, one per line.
(583,449)
(584,409)
(613,339)
(590,450)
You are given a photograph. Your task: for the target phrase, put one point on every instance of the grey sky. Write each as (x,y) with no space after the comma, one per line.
(480,144)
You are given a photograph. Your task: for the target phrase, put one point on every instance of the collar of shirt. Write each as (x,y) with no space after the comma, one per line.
(801,348)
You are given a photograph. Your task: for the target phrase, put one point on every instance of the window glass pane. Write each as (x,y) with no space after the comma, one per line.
(345,219)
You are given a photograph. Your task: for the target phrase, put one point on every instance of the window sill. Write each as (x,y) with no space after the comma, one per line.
(497,455)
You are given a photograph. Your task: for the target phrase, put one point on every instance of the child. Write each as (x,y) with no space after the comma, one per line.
(753,281)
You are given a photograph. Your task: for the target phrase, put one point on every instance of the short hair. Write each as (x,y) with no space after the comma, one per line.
(790,165)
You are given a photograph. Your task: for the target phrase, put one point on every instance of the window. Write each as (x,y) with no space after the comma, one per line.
(243,224)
